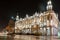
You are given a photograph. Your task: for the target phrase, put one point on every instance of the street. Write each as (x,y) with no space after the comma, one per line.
(29,37)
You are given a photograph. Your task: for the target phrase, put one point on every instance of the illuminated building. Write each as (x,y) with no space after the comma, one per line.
(44,23)
(59,30)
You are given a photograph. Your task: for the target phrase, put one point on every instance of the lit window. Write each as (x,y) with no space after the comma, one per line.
(41,28)
(44,29)
(45,23)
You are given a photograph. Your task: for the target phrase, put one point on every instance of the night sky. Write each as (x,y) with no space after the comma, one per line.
(23,7)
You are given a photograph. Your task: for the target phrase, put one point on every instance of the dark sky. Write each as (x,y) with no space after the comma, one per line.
(23,7)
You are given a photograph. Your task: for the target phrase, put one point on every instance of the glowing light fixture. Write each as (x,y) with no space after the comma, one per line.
(58,34)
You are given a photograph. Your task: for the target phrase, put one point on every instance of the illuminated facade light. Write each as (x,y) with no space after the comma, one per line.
(58,34)
(44,29)
(17,17)
(49,2)
(41,28)
(49,5)
(44,20)
(12,17)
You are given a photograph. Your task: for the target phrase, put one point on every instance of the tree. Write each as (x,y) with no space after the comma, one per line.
(10,26)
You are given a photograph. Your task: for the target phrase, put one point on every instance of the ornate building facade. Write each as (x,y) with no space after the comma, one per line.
(42,23)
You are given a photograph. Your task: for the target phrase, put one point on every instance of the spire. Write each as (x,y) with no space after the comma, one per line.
(49,5)
(17,17)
